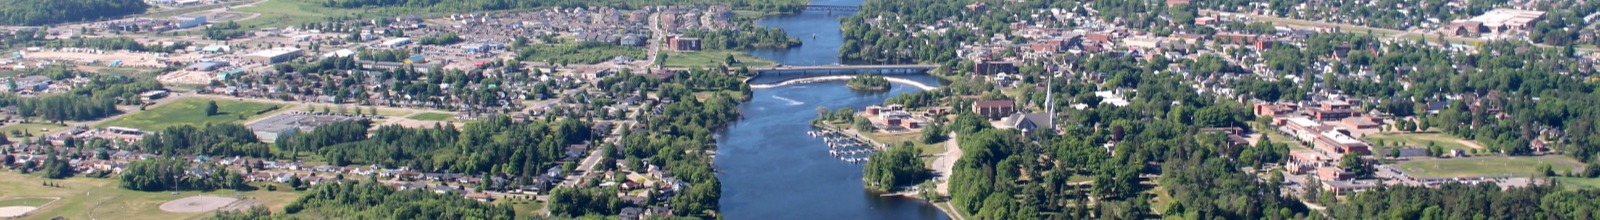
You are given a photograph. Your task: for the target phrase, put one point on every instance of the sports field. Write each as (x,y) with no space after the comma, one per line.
(1488,166)
(89,198)
(431,116)
(713,58)
(33,128)
(192,112)
(1421,140)
(1579,183)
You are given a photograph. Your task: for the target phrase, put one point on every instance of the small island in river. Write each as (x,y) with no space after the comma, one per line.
(869,82)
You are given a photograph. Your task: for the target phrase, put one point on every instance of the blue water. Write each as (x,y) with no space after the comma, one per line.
(772,170)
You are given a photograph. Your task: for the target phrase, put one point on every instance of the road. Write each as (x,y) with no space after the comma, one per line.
(943,168)
(657,37)
(594,157)
(945,165)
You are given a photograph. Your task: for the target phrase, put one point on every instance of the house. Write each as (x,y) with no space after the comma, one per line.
(630,213)
(994,109)
(481,197)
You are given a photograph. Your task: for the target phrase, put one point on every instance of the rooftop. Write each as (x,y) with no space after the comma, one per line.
(1340,138)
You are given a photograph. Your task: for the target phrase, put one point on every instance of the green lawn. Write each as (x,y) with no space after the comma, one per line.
(29,201)
(713,58)
(1418,140)
(431,116)
(89,198)
(1579,183)
(1279,138)
(192,112)
(579,53)
(34,128)
(282,13)
(1487,166)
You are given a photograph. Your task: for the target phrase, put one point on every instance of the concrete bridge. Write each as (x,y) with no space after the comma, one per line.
(850,69)
(832,8)
(812,79)
(810,74)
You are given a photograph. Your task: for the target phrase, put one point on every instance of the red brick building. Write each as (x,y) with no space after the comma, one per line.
(683,43)
(994,109)
(988,67)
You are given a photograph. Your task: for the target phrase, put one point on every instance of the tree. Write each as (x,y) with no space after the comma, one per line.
(863,125)
(294,182)
(1354,164)
(211,108)
(894,168)
(932,134)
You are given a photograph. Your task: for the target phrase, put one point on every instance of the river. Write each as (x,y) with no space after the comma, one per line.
(772,170)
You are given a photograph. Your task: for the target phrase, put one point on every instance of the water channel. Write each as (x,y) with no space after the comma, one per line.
(772,170)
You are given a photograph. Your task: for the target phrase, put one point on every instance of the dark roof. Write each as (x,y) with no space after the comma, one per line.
(994,103)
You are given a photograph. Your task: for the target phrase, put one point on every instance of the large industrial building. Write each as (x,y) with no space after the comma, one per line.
(275,55)
(288,123)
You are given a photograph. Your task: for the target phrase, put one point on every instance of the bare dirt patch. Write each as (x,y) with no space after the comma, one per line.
(186,77)
(14,211)
(198,204)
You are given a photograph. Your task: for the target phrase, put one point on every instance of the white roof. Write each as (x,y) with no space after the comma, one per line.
(1109,97)
(276,52)
(1341,138)
(1304,122)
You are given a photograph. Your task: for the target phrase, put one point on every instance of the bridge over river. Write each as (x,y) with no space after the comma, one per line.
(850,69)
(832,8)
(809,74)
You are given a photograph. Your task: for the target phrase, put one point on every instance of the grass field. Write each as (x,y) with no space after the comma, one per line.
(1579,183)
(89,198)
(192,112)
(579,53)
(28,201)
(354,109)
(1487,166)
(280,13)
(431,116)
(713,58)
(35,128)
(1419,140)
(915,138)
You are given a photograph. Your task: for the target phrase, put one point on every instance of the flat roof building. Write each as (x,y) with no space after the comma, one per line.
(1501,20)
(397,42)
(287,123)
(275,55)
